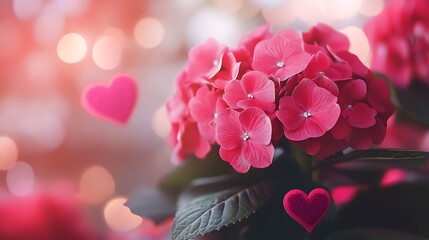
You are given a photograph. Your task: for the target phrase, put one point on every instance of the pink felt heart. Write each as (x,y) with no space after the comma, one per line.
(114,102)
(307,210)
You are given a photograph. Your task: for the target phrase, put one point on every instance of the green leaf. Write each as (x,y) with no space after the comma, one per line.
(371,234)
(153,203)
(213,211)
(386,157)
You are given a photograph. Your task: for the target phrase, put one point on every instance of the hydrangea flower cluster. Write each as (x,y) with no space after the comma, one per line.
(399,37)
(305,87)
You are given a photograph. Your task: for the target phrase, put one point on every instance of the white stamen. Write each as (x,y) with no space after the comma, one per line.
(215,62)
(321,73)
(349,107)
(245,137)
(249,95)
(216,114)
(280,64)
(307,114)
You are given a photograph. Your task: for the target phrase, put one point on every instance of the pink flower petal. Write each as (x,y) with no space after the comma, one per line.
(234,93)
(228,130)
(259,156)
(362,116)
(341,129)
(257,125)
(318,63)
(326,83)
(290,114)
(202,58)
(351,92)
(258,85)
(281,56)
(235,159)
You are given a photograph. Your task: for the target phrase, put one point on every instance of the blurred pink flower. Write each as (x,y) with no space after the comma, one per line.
(44,215)
(399,37)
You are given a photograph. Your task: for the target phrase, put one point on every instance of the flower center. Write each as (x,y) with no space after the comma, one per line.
(249,95)
(280,64)
(349,107)
(245,137)
(307,114)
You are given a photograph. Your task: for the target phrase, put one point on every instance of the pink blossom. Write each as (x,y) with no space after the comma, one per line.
(189,141)
(204,108)
(281,56)
(321,64)
(326,37)
(225,70)
(185,136)
(253,90)
(251,40)
(203,58)
(309,112)
(353,106)
(245,139)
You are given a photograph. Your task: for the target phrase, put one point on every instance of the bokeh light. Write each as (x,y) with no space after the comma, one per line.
(96,185)
(149,32)
(281,15)
(393,176)
(339,9)
(269,3)
(344,194)
(20,179)
(107,51)
(215,23)
(118,217)
(231,6)
(39,68)
(372,7)
(359,44)
(71,48)
(160,122)
(307,12)
(8,153)
(74,7)
(49,25)
(25,9)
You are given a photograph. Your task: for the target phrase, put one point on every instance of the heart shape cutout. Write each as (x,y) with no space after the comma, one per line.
(307,210)
(114,101)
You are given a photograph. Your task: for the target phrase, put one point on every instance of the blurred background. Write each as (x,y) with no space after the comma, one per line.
(50,50)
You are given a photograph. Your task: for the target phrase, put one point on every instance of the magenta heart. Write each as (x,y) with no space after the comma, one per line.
(114,101)
(307,210)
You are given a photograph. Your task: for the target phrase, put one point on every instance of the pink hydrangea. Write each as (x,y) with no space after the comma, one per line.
(309,90)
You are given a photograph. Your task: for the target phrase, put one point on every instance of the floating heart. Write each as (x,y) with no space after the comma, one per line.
(114,101)
(307,211)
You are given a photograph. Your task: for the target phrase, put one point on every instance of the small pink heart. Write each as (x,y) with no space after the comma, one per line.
(307,211)
(114,102)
